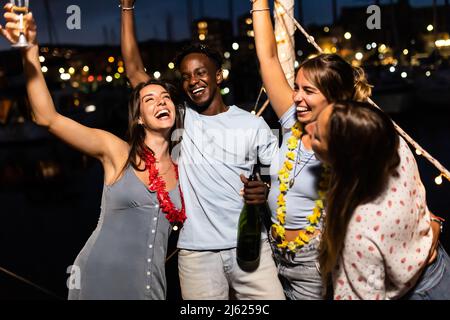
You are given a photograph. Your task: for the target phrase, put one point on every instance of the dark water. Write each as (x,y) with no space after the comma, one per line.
(50,204)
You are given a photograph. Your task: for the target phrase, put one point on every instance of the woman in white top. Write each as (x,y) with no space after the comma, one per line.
(298,179)
(378,242)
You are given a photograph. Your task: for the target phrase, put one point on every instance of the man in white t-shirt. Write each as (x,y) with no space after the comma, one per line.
(219,143)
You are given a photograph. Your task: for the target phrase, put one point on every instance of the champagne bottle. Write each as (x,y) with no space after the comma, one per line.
(249,232)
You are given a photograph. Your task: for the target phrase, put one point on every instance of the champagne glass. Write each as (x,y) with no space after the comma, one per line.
(20,7)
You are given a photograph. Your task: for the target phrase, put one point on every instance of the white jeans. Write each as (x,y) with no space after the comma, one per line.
(211,275)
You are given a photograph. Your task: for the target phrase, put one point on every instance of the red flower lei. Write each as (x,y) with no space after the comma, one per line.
(158,185)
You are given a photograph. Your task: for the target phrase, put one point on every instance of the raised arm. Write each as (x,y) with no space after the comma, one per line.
(277,87)
(96,143)
(130,50)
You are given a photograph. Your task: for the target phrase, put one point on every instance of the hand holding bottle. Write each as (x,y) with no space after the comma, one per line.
(255,192)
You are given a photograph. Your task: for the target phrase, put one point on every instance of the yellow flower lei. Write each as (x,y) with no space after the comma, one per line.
(283,177)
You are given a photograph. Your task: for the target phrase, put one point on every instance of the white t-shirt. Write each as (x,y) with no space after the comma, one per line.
(302,196)
(215,150)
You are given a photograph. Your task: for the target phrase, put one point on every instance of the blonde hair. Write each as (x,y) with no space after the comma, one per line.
(363,90)
(336,79)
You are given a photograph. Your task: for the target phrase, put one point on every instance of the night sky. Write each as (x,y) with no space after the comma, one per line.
(100,19)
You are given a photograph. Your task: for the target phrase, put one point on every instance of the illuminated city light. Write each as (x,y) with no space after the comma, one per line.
(41,59)
(392,69)
(442,43)
(227,55)
(430,27)
(202,25)
(86,69)
(404,75)
(382,48)
(62,70)
(235,46)
(71,70)
(359,56)
(326,29)
(348,35)
(111,59)
(120,70)
(428,73)
(109,79)
(201,37)
(226,73)
(90,109)
(171,65)
(157,74)
(225,91)
(405,52)
(65,76)
(44,69)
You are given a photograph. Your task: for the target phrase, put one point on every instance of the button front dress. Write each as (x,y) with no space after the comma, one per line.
(124,259)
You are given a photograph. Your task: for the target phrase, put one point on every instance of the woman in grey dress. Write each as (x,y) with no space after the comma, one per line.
(125,256)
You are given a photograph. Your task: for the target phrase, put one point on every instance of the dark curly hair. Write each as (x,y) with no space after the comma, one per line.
(215,56)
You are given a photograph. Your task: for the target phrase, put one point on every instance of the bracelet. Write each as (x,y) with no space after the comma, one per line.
(125,8)
(257,10)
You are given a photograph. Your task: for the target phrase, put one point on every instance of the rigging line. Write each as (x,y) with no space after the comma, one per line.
(259,98)
(21,279)
(172,255)
(400,131)
(263,108)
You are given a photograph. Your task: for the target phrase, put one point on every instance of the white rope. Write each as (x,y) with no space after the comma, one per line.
(444,172)
(285,31)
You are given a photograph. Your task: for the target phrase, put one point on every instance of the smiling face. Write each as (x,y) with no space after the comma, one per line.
(308,99)
(157,110)
(201,79)
(319,131)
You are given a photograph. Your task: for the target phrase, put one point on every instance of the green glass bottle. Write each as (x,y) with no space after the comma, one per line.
(249,232)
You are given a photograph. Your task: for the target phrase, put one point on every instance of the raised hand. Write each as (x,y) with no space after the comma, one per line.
(12,29)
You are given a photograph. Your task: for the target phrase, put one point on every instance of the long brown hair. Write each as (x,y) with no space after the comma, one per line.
(363,154)
(336,79)
(136,132)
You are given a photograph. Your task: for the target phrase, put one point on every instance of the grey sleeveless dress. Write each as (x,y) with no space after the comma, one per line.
(124,259)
